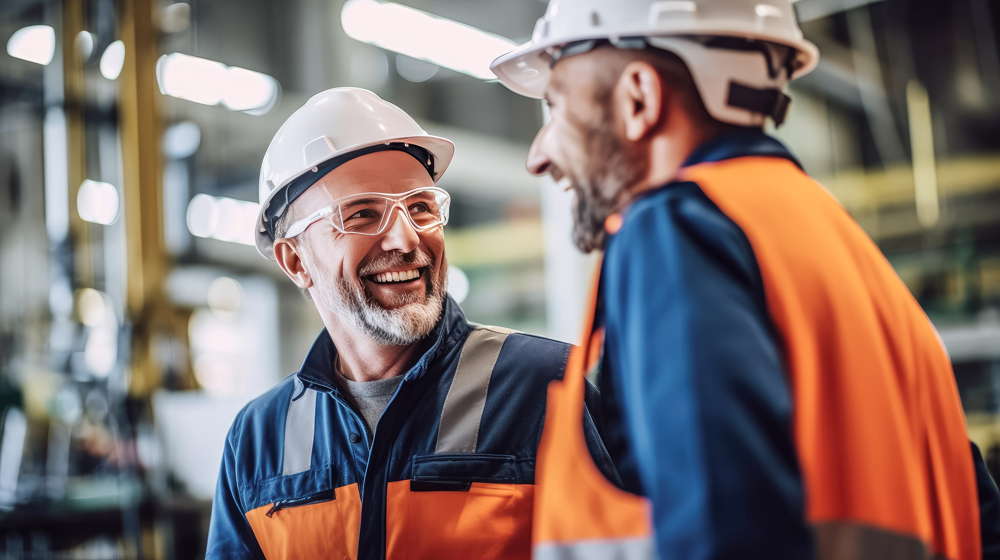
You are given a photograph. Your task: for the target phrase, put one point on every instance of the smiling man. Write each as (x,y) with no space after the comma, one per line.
(407,432)
(782,394)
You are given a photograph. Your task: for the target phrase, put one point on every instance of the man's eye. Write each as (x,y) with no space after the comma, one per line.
(363,215)
(419,207)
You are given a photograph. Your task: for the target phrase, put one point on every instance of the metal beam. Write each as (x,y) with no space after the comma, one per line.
(139,127)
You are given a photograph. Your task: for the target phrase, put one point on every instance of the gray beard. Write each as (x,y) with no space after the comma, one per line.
(405,324)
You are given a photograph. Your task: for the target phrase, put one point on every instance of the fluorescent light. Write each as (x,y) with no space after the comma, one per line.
(225,219)
(192,78)
(100,353)
(210,83)
(84,44)
(424,36)
(413,70)
(201,215)
(228,227)
(175,17)
(182,140)
(94,307)
(35,43)
(113,60)
(246,90)
(458,284)
(97,202)
(224,295)
(918,109)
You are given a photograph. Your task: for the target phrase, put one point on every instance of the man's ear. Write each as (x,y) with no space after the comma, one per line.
(640,99)
(290,260)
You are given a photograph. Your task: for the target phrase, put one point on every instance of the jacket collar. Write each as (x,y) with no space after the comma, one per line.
(740,144)
(451,329)
(745,143)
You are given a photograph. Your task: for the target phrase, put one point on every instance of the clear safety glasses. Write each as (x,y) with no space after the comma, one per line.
(371,213)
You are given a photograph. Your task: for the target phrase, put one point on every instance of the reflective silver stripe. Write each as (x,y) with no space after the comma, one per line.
(300,422)
(463,406)
(640,548)
(842,539)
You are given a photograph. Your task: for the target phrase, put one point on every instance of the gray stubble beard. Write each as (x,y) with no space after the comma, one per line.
(407,322)
(602,190)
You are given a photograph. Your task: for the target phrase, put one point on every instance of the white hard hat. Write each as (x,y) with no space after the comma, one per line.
(726,44)
(332,128)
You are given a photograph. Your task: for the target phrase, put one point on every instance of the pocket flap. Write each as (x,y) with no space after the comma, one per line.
(464,468)
(299,485)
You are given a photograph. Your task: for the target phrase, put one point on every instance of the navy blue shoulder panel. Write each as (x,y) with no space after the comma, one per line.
(515,404)
(258,432)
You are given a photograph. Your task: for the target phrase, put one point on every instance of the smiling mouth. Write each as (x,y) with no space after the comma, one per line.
(397,277)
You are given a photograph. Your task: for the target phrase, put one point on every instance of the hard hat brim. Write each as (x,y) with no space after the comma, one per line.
(526,70)
(442,149)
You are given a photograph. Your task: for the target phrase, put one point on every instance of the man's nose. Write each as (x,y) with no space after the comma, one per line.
(399,234)
(538,160)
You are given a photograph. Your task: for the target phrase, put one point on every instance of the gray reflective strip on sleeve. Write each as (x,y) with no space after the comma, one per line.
(605,549)
(843,539)
(300,422)
(463,406)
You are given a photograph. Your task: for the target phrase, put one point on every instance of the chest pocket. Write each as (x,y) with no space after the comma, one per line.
(459,504)
(304,513)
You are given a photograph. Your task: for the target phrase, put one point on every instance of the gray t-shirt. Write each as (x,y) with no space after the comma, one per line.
(371,398)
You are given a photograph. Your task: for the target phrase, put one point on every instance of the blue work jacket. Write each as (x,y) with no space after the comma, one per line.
(685,422)
(299,478)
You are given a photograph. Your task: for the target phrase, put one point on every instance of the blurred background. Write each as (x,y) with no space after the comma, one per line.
(136,317)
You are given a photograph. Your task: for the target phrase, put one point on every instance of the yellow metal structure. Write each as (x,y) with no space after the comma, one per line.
(142,193)
(76,171)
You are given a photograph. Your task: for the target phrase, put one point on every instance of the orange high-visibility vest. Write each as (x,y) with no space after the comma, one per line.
(878,424)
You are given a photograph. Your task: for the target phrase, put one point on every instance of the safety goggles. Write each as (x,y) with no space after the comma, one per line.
(370,213)
(573,48)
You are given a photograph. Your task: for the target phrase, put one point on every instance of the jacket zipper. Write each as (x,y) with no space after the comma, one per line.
(325,496)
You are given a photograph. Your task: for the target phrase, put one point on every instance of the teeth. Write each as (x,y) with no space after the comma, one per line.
(404,276)
(565,184)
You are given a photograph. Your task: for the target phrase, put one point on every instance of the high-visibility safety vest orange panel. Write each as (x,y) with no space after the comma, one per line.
(876,420)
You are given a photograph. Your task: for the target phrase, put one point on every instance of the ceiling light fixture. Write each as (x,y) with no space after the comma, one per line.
(424,36)
(35,43)
(113,60)
(212,83)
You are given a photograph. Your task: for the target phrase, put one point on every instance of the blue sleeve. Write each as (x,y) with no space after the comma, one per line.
(989,508)
(229,532)
(698,371)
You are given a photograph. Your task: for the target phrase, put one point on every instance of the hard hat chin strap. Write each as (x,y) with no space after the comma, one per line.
(278,205)
(771,102)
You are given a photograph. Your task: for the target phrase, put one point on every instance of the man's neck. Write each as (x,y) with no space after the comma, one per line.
(669,149)
(362,359)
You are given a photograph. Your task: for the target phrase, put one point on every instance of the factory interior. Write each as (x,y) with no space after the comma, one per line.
(137,319)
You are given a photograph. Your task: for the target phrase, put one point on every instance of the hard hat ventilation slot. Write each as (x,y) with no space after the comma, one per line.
(595,19)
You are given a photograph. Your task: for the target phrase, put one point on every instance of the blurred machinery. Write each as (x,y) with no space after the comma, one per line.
(136,319)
